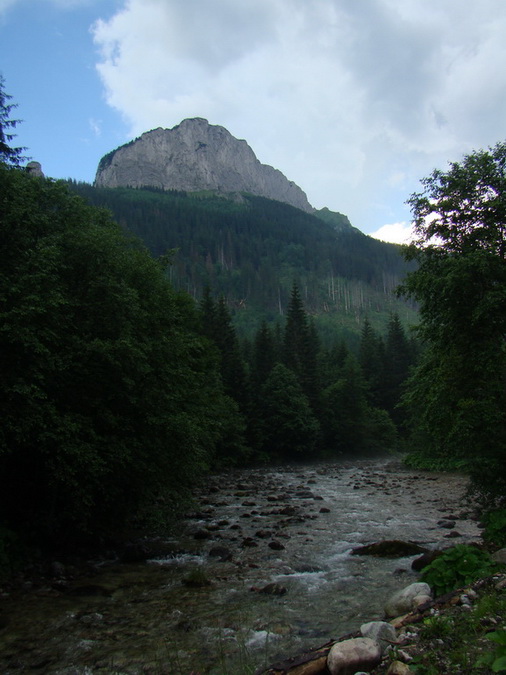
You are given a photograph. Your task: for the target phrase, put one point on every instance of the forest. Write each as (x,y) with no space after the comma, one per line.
(120,389)
(250,250)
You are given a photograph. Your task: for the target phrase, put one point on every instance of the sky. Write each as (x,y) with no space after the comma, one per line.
(354,100)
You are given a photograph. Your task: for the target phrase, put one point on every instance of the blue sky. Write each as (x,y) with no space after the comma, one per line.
(354,100)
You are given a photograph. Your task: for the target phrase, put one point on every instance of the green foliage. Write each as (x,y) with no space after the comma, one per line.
(437,627)
(288,427)
(497,660)
(109,394)
(250,251)
(495,527)
(457,567)
(8,155)
(458,390)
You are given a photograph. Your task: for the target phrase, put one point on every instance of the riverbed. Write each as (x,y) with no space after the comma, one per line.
(261,569)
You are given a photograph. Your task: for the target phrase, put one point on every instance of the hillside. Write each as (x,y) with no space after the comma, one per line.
(251,249)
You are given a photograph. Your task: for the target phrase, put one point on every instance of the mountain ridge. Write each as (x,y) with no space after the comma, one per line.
(196,156)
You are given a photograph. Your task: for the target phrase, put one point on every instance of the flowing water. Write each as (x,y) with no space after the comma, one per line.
(292,526)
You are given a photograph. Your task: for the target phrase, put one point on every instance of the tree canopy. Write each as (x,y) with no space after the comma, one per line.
(109,394)
(457,396)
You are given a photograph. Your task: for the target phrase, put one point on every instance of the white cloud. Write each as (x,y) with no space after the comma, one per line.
(395,233)
(354,101)
(95,126)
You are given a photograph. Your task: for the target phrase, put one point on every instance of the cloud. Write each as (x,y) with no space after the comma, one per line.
(95,126)
(353,101)
(395,233)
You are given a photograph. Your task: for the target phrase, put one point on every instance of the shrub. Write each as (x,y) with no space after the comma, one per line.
(457,567)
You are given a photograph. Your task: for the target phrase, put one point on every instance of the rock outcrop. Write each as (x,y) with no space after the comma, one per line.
(196,156)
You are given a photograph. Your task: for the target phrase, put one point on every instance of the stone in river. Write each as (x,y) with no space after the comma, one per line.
(221,552)
(389,549)
(271,589)
(276,545)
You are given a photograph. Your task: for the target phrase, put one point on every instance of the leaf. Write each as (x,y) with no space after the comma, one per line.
(499,664)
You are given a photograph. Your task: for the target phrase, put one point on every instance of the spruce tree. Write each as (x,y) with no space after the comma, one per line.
(8,155)
(300,347)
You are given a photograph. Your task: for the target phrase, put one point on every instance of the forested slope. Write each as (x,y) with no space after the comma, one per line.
(252,250)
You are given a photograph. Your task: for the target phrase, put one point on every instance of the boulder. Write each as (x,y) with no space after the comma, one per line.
(271,589)
(380,631)
(350,656)
(499,556)
(399,668)
(221,552)
(403,601)
(425,559)
(389,549)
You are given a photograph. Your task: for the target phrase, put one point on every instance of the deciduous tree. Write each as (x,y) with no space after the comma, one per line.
(458,395)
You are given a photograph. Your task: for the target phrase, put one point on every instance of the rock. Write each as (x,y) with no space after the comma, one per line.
(398,668)
(424,560)
(380,631)
(420,600)
(35,169)
(196,156)
(221,552)
(248,543)
(196,579)
(350,656)
(201,534)
(271,589)
(324,509)
(389,549)
(447,524)
(499,556)
(402,601)
(276,545)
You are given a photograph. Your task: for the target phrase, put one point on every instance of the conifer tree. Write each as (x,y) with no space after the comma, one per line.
(288,425)
(398,361)
(372,361)
(300,347)
(8,155)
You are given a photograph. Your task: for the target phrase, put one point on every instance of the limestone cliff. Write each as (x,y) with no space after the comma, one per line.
(194,156)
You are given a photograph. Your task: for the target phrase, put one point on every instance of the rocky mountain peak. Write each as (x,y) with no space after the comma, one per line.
(195,156)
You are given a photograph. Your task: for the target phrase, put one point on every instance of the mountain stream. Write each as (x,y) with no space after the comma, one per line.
(260,571)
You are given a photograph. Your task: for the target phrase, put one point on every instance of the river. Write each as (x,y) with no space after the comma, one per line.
(289,528)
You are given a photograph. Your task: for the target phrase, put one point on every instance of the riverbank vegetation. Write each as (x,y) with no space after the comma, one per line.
(456,397)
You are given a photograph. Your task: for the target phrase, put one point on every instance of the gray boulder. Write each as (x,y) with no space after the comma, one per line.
(407,599)
(350,656)
(380,631)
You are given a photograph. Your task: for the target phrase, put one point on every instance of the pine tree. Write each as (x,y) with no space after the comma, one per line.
(300,347)
(288,425)
(8,155)
(398,361)
(372,361)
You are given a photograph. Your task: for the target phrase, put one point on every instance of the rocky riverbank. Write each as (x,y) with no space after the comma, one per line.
(262,568)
